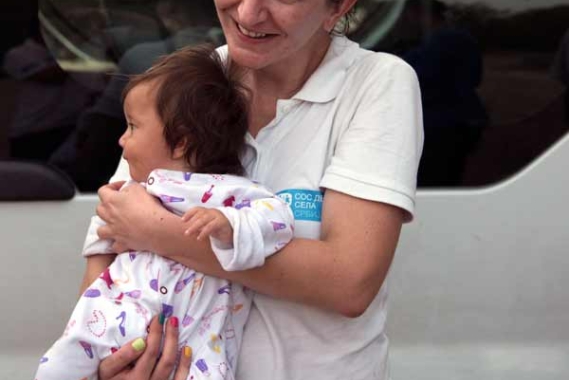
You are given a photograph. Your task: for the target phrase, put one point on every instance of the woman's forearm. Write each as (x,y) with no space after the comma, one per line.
(305,271)
(313,272)
(342,272)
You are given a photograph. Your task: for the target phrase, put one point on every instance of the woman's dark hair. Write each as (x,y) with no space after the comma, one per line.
(201,103)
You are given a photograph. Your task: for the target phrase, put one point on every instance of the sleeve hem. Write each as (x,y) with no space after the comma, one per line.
(372,192)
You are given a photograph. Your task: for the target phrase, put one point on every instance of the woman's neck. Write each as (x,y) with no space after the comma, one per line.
(278,81)
(284,79)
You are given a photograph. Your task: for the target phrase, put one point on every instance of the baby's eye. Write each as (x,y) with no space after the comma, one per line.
(130,126)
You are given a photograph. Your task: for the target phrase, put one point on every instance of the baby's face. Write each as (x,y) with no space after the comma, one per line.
(143,141)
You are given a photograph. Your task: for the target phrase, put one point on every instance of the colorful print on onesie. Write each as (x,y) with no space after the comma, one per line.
(118,306)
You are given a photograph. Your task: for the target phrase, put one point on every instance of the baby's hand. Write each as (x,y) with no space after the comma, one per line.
(208,222)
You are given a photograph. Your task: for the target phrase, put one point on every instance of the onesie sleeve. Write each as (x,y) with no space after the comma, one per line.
(262,224)
(93,244)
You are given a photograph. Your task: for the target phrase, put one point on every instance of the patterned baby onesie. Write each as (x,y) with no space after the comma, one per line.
(212,312)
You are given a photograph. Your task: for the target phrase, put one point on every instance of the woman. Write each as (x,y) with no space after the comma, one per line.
(326,116)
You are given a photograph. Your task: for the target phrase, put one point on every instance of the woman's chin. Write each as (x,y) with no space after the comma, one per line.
(249,59)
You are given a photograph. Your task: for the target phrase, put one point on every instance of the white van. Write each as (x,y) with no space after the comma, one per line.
(479,288)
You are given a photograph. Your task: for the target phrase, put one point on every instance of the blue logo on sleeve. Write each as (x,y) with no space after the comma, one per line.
(305,204)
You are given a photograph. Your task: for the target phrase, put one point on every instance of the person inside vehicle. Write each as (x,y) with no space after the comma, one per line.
(448,62)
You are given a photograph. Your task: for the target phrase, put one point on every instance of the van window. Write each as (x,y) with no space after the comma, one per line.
(493,77)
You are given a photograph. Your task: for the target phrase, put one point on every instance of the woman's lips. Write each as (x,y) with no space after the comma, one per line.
(252,36)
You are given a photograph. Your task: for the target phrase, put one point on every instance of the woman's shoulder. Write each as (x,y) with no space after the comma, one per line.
(381,65)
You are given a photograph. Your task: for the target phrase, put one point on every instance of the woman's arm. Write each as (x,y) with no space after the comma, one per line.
(342,272)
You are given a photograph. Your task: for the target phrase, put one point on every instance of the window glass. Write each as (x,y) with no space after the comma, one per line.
(492,73)
(65,73)
(493,76)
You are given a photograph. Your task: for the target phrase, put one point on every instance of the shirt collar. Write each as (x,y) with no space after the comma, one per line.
(325,83)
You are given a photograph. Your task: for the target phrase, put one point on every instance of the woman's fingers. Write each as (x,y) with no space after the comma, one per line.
(145,365)
(104,232)
(183,369)
(116,185)
(114,366)
(167,362)
(139,359)
(106,190)
(119,247)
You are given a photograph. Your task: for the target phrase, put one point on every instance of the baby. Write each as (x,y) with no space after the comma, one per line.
(186,125)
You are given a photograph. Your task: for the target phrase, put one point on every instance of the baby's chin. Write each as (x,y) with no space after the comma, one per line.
(138,177)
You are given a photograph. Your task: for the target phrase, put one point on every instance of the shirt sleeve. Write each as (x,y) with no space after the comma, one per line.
(262,224)
(379,146)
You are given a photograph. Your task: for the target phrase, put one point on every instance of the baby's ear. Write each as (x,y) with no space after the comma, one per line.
(180,150)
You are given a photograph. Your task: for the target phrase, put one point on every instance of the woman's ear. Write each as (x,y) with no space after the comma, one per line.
(339,11)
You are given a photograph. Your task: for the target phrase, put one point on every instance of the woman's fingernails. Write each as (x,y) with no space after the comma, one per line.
(139,344)
(161,319)
(174,321)
(188,352)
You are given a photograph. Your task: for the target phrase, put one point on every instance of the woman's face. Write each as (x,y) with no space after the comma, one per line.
(261,33)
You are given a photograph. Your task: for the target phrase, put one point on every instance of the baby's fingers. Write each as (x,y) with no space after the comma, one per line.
(191,213)
(212,226)
(197,222)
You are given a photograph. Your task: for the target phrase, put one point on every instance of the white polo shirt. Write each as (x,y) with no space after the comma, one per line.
(355,127)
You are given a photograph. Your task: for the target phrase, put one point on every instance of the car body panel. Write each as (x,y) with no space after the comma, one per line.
(478,289)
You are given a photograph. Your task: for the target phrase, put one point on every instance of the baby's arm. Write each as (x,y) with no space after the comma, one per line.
(96,264)
(242,236)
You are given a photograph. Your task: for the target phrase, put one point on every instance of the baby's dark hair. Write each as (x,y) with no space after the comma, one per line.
(201,102)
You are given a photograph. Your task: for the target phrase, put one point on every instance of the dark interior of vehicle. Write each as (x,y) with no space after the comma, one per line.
(494,89)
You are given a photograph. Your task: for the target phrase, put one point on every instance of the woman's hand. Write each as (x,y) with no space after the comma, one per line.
(129,215)
(139,359)
(136,220)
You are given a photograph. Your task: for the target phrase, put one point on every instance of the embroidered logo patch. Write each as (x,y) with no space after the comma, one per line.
(305,204)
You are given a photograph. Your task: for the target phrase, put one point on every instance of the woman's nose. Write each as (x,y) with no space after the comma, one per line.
(252,12)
